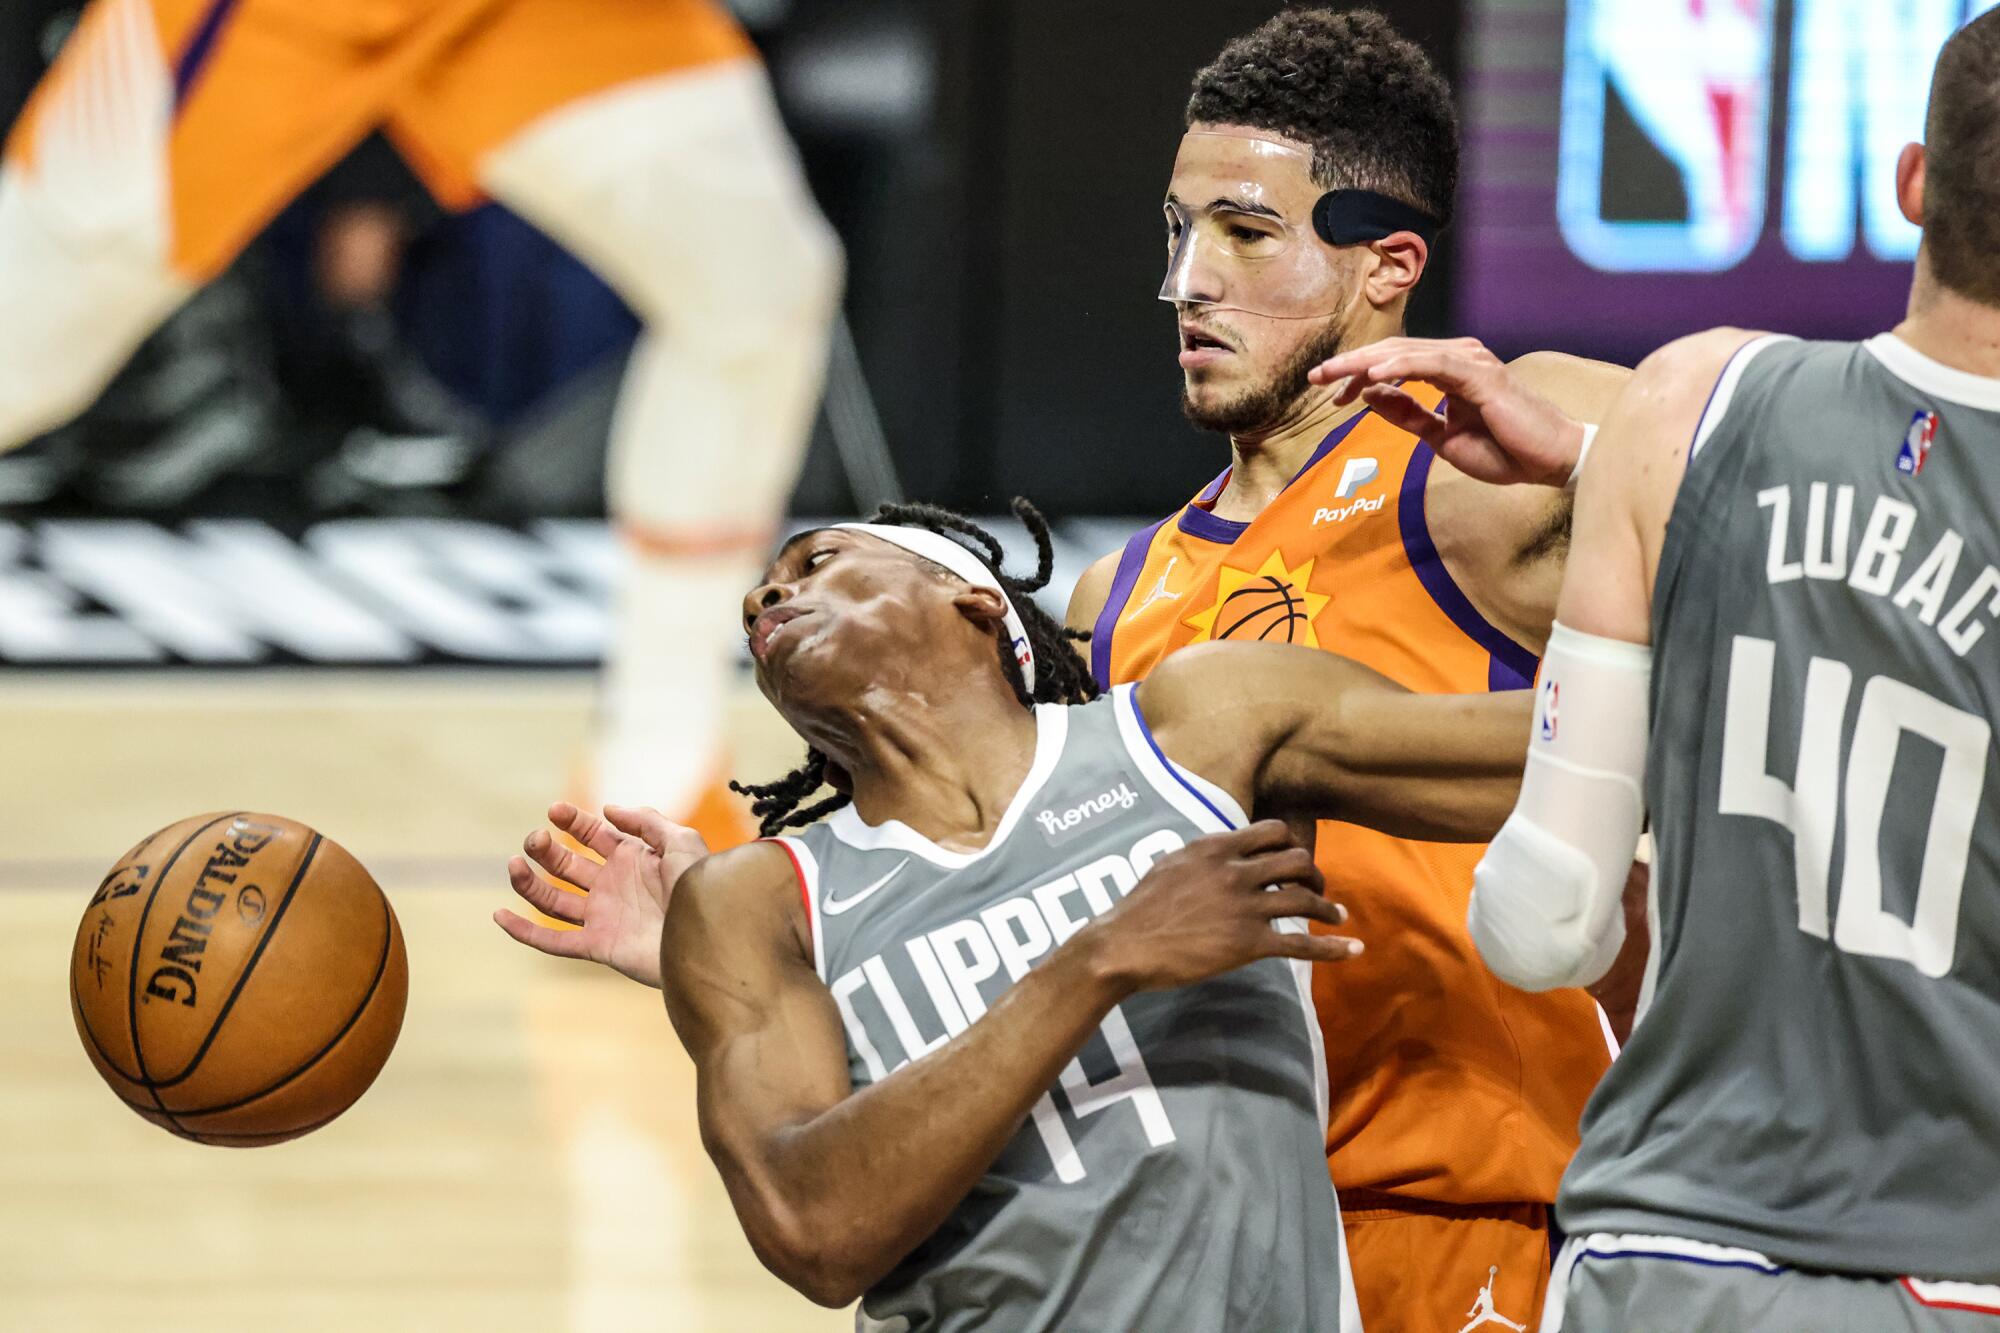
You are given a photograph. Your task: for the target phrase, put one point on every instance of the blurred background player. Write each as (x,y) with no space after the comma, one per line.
(1319,163)
(642,136)
(1778,636)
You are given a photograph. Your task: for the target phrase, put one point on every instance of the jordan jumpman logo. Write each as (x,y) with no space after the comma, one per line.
(1482,1312)
(1159,592)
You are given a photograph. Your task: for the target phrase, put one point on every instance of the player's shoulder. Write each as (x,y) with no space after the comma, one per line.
(1694,362)
(1583,388)
(754,880)
(1092,591)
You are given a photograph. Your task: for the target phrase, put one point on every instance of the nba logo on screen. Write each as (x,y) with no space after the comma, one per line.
(1917,443)
(1665,106)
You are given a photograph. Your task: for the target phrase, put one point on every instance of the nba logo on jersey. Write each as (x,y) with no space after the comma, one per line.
(1917,443)
(1549,726)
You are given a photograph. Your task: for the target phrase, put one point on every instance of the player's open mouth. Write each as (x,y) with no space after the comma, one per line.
(766,627)
(1199,347)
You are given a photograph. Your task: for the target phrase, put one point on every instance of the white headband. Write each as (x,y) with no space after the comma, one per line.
(942,550)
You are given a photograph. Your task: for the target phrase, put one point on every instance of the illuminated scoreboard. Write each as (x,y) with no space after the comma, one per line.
(1638,169)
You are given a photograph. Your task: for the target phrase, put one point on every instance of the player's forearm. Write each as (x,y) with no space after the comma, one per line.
(863,1183)
(1437,767)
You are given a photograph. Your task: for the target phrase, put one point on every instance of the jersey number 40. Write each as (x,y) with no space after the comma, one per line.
(1819,803)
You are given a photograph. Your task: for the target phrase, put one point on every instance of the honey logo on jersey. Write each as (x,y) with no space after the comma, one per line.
(1273,603)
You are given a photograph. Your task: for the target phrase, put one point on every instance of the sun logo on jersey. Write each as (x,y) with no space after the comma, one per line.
(1272,603)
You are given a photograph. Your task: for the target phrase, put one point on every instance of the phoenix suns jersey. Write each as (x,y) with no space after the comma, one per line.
(1815,1074)
(1170,1179)
(1448,1085)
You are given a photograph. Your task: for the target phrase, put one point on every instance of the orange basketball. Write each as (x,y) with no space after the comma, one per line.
(238,979)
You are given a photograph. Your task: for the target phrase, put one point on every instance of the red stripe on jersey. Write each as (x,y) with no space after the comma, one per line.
(805,896)
(1928,1303)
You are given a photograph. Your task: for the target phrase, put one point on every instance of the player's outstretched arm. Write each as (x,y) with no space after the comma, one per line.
(1300,733)
(1504,422)
(834,1187)
(1546,900)
(634,858)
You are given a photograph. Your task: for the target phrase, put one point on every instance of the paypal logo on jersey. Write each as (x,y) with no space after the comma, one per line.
(1059,825)
(1354,474)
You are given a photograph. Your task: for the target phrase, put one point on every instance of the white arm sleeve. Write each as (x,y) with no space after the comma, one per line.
(1546,901)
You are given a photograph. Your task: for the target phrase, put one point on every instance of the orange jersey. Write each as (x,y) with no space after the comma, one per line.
(1448,1085)
(267,94)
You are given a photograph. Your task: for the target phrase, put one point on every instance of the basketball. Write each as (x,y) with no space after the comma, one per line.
(1265,608)
(238,979)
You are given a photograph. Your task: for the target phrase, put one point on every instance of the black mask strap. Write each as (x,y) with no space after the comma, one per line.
(1353,217)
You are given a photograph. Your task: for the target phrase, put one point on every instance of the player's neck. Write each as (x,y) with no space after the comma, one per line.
(912,759)
(1952,329)
(1263,463)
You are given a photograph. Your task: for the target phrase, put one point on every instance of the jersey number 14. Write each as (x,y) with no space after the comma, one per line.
(1818,802)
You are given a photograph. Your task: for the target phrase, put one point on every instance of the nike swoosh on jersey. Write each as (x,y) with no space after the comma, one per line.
(833,906)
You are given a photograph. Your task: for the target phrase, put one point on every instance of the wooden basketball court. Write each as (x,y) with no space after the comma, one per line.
(527,1160)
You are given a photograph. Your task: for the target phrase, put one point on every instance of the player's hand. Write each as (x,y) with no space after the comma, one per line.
(1205,909)
(1493,427)
(638,856)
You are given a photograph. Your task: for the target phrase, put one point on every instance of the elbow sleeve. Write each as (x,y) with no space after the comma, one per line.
(1546,902)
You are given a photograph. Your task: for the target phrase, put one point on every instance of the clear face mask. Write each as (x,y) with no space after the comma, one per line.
(1240,235)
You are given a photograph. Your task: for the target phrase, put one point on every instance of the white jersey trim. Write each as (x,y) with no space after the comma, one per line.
(1725,388)
(1051,732)
(808,866)
(1970,1296)
(1208,807)
(1918,371)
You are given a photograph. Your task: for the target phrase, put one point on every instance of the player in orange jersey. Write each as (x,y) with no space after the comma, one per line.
(1319,162)
(639,133)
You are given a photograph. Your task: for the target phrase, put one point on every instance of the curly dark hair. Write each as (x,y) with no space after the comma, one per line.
(1375,110)
(1061,676)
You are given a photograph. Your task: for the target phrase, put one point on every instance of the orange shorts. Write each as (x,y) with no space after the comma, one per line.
(1449,1270)
(270,93)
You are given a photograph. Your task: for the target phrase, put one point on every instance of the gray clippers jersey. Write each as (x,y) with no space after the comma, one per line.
(1817,1073)
(1175,1177)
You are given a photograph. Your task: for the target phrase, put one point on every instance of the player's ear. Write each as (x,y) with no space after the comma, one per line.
(1910,182)
(982,606)
(1400,258)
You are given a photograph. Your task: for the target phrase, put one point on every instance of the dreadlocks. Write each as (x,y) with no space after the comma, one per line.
(1060,674)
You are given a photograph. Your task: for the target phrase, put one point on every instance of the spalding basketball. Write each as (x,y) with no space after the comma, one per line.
(1264,608)
(238,979)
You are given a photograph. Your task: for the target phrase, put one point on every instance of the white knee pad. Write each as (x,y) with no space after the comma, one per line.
(685,194)
(84,229)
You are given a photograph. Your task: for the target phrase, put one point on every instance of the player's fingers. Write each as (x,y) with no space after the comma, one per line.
(1357,360)
(1404,412)
(560,861)
(543,896)
(1314,948)
(1266,835)
(1290,864)
(1295,900)
(542,939)
(586,828)
(663,835)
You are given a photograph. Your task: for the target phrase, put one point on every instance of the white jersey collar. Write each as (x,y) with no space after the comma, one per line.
(1051,730)
(1906,363)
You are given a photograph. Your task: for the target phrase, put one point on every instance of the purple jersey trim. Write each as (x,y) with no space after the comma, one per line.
(1198,522)
(1139,716)
(1129,566)
(1437,580)
(1769,1270)
(199,48)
